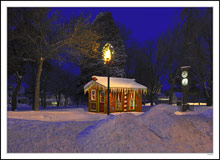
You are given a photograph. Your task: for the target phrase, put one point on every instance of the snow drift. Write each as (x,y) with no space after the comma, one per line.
(156,131)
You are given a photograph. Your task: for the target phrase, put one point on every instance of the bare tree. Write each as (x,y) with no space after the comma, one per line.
(155,68)
(197,35)
(19,50)
(50,36)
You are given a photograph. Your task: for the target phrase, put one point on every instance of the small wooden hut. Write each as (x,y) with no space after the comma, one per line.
(125,94)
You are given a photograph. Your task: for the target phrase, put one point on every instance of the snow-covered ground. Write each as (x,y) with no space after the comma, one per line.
(58,115)
(28,136)
(161,129)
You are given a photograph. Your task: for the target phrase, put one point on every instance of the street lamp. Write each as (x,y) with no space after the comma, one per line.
(107,56)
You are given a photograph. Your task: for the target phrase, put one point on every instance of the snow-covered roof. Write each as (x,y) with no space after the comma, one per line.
(115,83)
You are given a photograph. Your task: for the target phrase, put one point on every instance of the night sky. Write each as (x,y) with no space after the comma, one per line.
(144,23)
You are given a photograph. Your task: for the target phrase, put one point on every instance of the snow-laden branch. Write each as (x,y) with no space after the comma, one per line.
(17,75)
(24,59)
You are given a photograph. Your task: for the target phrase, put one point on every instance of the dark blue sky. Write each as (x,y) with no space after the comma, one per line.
(143,23)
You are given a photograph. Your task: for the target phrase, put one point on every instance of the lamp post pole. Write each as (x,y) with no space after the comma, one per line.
(107,55)
(108,91)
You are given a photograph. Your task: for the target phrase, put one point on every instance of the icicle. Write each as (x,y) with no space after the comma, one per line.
(114,90)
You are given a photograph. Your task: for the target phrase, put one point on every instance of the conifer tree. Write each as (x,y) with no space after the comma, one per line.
(108,30)
(105,26)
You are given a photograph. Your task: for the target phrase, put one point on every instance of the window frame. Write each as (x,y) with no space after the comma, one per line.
(93,95)
(100,96)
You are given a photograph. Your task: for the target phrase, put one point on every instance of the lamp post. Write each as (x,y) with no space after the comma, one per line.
(107,56)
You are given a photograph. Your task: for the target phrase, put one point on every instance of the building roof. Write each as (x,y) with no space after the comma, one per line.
(115,82)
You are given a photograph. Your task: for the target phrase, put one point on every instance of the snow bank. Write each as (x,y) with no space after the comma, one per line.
(158,130)
(28,136)
(208,113)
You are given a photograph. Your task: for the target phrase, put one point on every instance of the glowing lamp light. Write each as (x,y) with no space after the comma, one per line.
(107,53)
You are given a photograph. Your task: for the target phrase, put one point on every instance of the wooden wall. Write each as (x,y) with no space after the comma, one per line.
(112,102)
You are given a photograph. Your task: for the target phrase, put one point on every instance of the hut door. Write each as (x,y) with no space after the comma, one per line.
(101,101)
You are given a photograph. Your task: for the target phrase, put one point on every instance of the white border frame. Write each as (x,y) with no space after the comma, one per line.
(5,4)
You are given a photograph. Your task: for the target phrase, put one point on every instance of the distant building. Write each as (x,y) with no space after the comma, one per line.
(21,98)
(177,96)
(51,100)
(162,98)
(24,99)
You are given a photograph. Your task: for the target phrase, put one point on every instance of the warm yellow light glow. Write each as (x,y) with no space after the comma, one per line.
(53,103)
(107,52)
(107,55)
(196,104)
(163,99)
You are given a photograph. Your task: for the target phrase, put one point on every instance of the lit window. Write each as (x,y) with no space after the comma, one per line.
(132,101)
(54,103)
(93,95)
(102,97)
